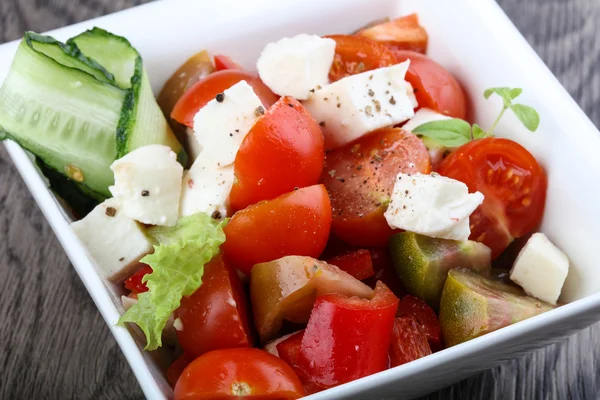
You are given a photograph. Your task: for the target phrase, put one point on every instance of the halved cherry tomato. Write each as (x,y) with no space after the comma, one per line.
(223,62)
(356,54)
(512,182)
(176,368)
(216,315)
(238,374)
(434,86)
(206,89)
(357,263)
(283,150)
(411,306)
(402,33)
(296,223)
(360,178)
(134,282)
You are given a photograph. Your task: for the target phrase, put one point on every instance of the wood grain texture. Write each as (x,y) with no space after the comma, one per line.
(54,343)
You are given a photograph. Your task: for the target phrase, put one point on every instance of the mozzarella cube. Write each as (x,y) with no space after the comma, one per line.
(423,116)
(358,104)
(223,123)
(148,184)
(206,189)
(410,92)
(432,205)
(540,269)
(114,241)
(294,66)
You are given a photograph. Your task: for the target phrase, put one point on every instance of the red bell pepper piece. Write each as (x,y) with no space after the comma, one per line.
(347,338)
(223,62)
(411,306)
(176,368)
(134,282)
(357,263)
(409,342)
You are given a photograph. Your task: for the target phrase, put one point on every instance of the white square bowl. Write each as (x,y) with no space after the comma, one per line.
(474,40)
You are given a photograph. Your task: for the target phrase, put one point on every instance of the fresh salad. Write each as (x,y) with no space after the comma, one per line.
(280,232)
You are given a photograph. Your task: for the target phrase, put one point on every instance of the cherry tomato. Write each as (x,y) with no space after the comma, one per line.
(512,182)
(238,374)
(402,33)
(409,343)
(434,86)
(356,54)
(296,223)
(206,89)
(134,282)
(215,316)
(360,178)
(176,368)
(223,62)
(283,150)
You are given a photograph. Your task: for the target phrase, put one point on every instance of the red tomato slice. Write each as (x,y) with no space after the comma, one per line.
(360,178)
(434,86)
(283,150)
(238,374)
(206,89)
(356,54)
(512,182)
(409,343)
(357,263)
(223,62)
(134,282)
(402,33)
(216,315)
(296,223)
(411,306)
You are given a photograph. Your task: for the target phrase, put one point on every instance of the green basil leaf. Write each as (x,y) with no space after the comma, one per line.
(516,92)
(504,92)
(478,133)
(449,132)
(527,115)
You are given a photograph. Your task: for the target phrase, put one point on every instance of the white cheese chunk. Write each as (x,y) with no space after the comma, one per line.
(410,92)
(114,241)
(358,104)
(148,184)
(432,205)
(206,188)
(294,66)
(540,269)
(128,302)
(423,116)
(223,123)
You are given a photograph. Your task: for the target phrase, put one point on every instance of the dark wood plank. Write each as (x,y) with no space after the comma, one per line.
(53,341)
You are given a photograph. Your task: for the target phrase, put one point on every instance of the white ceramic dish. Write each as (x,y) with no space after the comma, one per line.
(473,39)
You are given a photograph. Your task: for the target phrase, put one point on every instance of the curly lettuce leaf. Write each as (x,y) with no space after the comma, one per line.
(178,265)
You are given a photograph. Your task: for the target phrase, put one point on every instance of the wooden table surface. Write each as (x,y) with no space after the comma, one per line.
(54,343)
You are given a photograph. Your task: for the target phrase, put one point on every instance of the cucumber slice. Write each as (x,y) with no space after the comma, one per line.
(142,121)
(63,109)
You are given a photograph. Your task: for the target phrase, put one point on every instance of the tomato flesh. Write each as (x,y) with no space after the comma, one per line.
(230,374)
(296,223)
(216,315)
(223,62)
(404,33)
(206,89)
(434,86)
(411,306)
(513,184)
(283,150)
(360,178)
(408,342)
(357,263)
(135,282)
(356,54)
